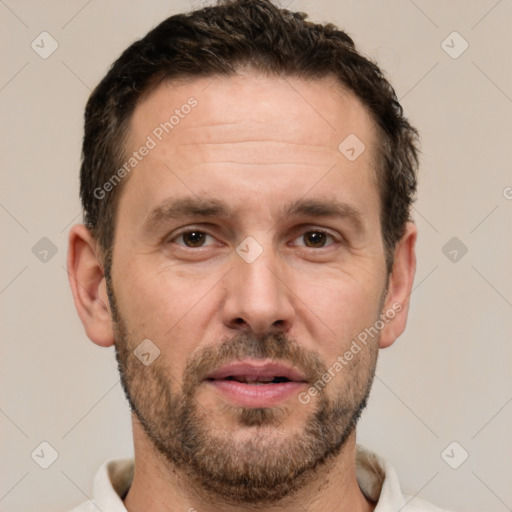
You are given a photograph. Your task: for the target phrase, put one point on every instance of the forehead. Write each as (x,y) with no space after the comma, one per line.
(244,134)
(320,112)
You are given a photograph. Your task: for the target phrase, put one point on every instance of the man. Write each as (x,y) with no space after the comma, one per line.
(246,181)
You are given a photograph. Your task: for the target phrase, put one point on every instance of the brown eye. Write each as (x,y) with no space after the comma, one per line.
(315,239)
(192,238)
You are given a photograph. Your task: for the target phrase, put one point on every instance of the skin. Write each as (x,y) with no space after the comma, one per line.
(257,143)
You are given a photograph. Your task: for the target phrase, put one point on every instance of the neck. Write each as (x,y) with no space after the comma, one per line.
(158,486)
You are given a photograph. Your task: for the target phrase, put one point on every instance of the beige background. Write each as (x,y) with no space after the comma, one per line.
(447,379)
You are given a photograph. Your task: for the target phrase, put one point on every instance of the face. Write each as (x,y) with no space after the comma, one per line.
(248,250)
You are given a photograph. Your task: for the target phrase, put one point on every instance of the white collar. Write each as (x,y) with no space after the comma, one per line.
(376,478)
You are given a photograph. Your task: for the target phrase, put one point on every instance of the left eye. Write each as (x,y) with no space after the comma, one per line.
(192,238)
(315,239)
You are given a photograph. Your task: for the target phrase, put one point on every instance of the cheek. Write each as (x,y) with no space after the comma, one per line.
(167,305)
(339,307)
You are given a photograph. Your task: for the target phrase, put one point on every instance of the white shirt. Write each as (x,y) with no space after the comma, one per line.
(376,478)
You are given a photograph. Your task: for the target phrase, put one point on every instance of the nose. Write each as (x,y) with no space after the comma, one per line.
(258,297)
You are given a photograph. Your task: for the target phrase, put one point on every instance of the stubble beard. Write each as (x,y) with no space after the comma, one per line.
(267,464)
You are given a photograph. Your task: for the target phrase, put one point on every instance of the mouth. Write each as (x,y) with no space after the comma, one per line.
(257,372)
(256,383)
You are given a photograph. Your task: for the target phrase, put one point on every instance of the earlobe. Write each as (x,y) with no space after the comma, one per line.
(88,286)
(396,305)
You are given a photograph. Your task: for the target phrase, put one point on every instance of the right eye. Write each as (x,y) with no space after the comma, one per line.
(191,238)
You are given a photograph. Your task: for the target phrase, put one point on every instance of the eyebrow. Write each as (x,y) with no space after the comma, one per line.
(181,207)
(186,207)
(324,208)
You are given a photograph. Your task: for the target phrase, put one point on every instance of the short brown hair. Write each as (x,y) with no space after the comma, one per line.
(219,40)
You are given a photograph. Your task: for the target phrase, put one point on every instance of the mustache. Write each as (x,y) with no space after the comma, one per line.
(273,346)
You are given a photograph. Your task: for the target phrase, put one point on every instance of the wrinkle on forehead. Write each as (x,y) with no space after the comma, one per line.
(247,128)
(243,107)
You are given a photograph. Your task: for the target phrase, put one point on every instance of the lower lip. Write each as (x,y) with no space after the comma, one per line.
(257,395)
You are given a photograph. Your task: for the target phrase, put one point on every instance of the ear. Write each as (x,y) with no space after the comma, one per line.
(88,285)
(396,304)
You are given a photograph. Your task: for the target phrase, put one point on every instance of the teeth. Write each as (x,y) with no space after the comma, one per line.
(259,380)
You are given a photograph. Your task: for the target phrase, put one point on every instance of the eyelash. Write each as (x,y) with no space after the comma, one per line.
(314,230)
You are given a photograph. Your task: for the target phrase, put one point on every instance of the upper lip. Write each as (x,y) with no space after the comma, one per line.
(257,369)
